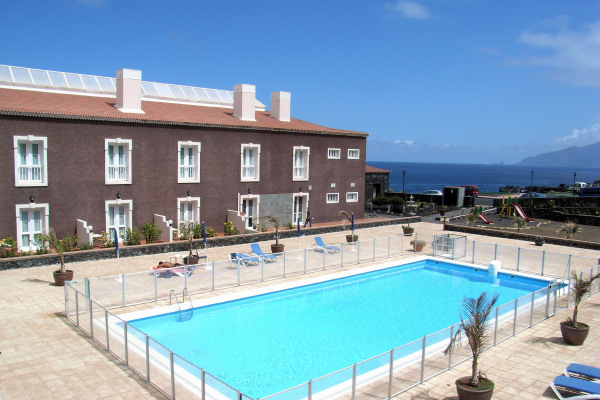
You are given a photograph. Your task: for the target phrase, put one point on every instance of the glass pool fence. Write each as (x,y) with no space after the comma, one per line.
(87,304)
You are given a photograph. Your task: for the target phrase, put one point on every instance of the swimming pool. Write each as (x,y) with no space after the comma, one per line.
(267,343)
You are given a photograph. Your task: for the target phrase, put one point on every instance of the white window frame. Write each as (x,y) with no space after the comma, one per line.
(256,149)
(128,215)
(128,161)
(332,198)
(184,170)
(351,152)
(334,154)
(44,208)
(351,197)
(255,210)
(29,169)
(195,201)
(306,151)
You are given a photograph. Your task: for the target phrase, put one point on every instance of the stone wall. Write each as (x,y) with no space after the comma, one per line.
(182,245)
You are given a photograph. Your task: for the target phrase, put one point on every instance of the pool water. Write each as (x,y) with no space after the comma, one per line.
(268,343)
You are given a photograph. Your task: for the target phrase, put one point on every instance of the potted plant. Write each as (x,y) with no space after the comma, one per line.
(407,229)
(418,245)
(475,327)
(62,275)
(277,247)
(443,211)
(186,230)
(346,217)
(538,240)
(573,331)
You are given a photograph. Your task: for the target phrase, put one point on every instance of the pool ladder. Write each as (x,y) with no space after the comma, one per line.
(183,315)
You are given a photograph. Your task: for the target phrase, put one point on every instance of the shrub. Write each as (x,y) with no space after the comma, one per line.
(290,225)
(69,242)
(8,247)
(106,240)
(85,246)
(210,232)
(151,232)
(230,229)
(132,237)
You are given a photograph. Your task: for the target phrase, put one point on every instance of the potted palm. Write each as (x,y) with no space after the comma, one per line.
(573,331)
(62,275)
(407,229)
(346,217)
(277,247)
(186,230)
(474,327)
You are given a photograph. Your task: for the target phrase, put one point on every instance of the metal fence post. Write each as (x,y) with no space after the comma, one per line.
(531,316)
(450,348)
(123,289)
(185,270)
(518,258)
(107,334)
(515,320)
(342,256)
(324,259)
(310,390)
(238,272)
(77,308)
(496,251)
(555,296)
(548,290)
(155,285)
(125,342)
(91,318)
(374,246)
(147,359)
(172,364)
(262,269)
(543,261)
(391,374)
(423,358)
(87,287)
(496,327)
(358,252)
(213,275)
(203,384)
(473,257)
(389,246)
(353,381)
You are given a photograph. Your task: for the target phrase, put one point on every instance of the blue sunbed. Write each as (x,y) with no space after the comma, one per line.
(582,370)
(585,390)
(244,259)
(266,257)
(325,247)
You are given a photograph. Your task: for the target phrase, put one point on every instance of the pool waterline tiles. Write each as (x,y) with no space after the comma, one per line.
(248,338)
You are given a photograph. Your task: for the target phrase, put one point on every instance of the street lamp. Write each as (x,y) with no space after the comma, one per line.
(574,177)
(531,184)
(403,176)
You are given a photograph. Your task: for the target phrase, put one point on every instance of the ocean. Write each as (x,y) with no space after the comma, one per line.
(488,177)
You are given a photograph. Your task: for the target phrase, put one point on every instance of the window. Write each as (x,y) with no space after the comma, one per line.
(118,217)
(188,209)
(250,162)
(32,220)
(118,161)
(333,153)
(31,161)
(301,159)
(333,197)
(189,162)
(351,197)
(353,154)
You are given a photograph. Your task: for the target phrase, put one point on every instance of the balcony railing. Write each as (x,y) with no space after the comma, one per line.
(31,174)
(118,173)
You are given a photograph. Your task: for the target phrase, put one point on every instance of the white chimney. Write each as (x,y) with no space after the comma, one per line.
(129,91)
(244,102)
(280,105)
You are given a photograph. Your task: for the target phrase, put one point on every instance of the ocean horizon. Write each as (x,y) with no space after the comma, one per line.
(420,177)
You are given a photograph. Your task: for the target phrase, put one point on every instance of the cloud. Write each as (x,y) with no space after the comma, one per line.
(572,55)
(409,9)
(94,3)
(582,136)
(405,142)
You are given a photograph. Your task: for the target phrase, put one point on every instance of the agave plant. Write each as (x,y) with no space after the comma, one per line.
(474,326)
(569,229)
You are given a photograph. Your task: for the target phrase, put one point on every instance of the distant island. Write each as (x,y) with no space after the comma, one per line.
(586,156)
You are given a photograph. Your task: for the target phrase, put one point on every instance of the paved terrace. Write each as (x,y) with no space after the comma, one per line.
(44,356)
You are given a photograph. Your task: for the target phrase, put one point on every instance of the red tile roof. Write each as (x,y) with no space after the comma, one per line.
(60,105)
(373,170)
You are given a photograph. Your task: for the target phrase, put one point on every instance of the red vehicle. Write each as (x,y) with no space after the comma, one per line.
(471,190)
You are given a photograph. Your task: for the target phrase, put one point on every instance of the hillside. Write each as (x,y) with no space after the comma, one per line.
(586,156)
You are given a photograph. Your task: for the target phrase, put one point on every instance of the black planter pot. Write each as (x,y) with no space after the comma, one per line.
(191,260)
(466,392)
(574,336)
(277,248)
(408,231)
(351,238)
(61,277)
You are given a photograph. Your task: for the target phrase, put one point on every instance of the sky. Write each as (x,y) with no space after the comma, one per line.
(458,81)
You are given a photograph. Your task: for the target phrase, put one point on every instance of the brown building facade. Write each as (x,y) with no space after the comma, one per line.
(114,159)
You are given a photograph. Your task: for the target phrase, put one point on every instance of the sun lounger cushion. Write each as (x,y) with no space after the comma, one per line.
(579,385)
(581,369)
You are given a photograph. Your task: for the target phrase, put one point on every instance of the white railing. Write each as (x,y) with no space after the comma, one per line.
(187,171)
(118,172)
(384,375)
(31,173)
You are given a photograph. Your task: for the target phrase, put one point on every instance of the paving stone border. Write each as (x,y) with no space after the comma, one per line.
(182,245)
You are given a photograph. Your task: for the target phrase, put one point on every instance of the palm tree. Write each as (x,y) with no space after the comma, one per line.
(569,228)
(58,245)
(275,222)
(519,223)
(475,327)
(580,287)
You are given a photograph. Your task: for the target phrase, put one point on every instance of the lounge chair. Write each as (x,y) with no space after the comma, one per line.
(244,259)
(182,271)
(266,257)
(585,390)
(325,247)
(575,370)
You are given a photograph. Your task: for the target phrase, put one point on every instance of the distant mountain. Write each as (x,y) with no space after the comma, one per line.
(586,156)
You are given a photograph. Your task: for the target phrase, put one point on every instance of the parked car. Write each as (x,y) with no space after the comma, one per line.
(471,190)
(432,192)
(533,195)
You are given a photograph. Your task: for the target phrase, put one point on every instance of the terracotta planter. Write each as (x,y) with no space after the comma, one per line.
(574,336)
(61,277)
(277,248)
(466,392)
(442,212)
(408,231)
(351,238)
(417,246)
(191,260)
